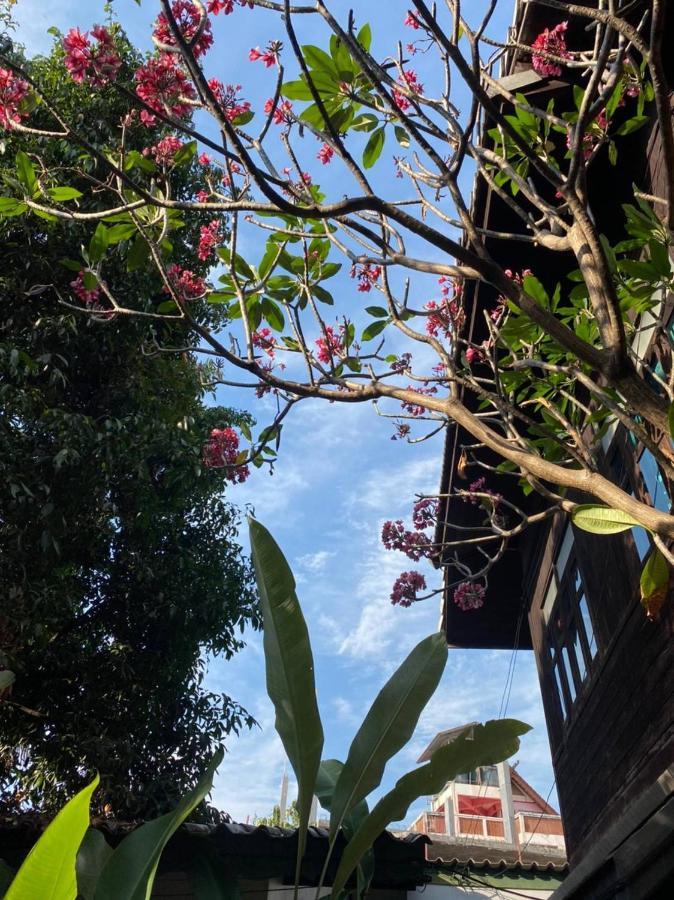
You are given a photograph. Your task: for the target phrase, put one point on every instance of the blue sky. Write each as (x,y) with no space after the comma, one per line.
(338,478)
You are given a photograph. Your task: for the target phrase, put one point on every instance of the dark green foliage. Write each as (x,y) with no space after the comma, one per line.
(119,561)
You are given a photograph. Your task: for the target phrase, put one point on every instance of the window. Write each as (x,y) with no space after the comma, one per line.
(485,775)
(571,636)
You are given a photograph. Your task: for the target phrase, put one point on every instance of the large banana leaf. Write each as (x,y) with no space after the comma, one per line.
(210,877)
(6,877)
(290,671)
(328,773)
(488,744)
(130,871)
(388,725)
(93,854)
(48,872)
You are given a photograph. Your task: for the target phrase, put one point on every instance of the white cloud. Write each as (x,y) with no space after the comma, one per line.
(315,562)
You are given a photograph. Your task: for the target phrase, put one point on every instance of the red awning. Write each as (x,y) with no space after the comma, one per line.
(479,806)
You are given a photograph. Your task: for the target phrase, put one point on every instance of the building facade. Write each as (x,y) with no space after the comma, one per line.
(606,668)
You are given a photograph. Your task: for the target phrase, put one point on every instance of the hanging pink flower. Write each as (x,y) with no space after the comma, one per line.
(164,151)
(268,56)
(215,7)
(221,451)
(325,154)
(188,285)
(411,20)
(550,41)
(281,113)
(406,588)
(210,236)
(88,296)
(188,18)
(330,345)
(164,88)
(96,64)
(264,340)
(13,91)
(367,275)
(469,595)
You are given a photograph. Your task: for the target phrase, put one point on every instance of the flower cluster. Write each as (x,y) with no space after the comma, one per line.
(448,316)
(188,18)
(598,129)
(469,595)
(164,88)
(188,285)
(401,363)
(221,451)
(409,81)
(414,544)
(413,409)
(209,237)
(228,99)
(411,20)
(88,296)
(330,345)
(268,55)
(551,40)
(325,154)
(401,431)
(13,92)
(164,151)
(264,340)
(425,513)
(227,6)
(96,64)
(367,275)
(406,587)
(282,111)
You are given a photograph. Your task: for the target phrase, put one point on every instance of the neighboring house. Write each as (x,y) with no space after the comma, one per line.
(606,670)
(490,831)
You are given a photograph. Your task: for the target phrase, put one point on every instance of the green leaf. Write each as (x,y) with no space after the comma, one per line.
(48,872)
(365,122)
(138,254)
(210,876)
(535,290)
(98,244)
(93,854)
(296,90)
(402,136)
(6,876)
(374,147)
(480,745)
(290,670)
(670,419)
(64,193)
(601,519)
(388,725)
(364,37)
(130,871)
(9,206)
(26,173)
(7,679)
(632,124)
(654,582)
(186,153)
(328,775)
(273,314)
(376,311)
(121,232)
(373,329)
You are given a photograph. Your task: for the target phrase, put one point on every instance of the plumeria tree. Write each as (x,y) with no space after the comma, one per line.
(530,372)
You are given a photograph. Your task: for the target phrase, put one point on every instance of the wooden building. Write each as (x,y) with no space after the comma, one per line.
(606,671)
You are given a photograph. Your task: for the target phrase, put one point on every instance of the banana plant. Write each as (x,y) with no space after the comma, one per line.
(387,727)
(72,860)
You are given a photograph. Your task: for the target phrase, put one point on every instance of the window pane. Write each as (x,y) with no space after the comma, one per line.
(566,656)
(550,598)
(587,624)
(564,551)
(580,659)
(560,692)
(654,482)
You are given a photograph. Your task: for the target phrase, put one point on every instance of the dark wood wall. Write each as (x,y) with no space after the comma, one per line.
(619,736)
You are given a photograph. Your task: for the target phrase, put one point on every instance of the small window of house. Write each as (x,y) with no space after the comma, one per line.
(570,631)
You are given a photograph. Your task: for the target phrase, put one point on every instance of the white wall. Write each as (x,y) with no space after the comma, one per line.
(449,892)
